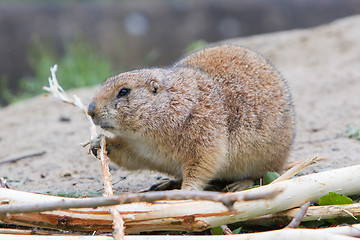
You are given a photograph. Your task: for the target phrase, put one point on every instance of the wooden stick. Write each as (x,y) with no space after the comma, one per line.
(118,222)
(27,232)
(283,234)
(58,91)
(294,170)
(292,164)
(299,216)
(57,203)
(4,183)
(226,230)
(325,212)
(23,157)
(313,213)
(187,215)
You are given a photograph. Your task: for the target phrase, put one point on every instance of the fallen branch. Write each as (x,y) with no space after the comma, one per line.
(313,213)
(187,215)
(283,234)
(23,157)
(50,203)
(299,216)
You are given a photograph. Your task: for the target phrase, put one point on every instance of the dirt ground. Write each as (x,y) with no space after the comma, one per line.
(321,65)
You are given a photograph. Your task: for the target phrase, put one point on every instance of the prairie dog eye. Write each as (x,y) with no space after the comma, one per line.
(123,92)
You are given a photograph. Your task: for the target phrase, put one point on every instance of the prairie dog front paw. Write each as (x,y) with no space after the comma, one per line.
(95,144)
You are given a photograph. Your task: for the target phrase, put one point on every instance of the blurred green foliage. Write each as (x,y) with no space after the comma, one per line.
(195,45)
(79,66)
(352,132)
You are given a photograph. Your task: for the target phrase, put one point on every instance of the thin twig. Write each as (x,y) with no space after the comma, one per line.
(322,140)
(28,232)
(118,222)
(292,164)
(299,216)
(350,214)
(294,170)
(227,199)
(58,92)
(4,183)
(23,157)
(226,230)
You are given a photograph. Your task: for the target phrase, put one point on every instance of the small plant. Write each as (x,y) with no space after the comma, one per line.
(353,133)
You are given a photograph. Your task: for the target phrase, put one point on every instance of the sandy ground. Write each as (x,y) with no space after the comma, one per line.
(322,66)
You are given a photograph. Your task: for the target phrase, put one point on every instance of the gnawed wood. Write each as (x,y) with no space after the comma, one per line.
(313,213)
(283,234)
(187,215)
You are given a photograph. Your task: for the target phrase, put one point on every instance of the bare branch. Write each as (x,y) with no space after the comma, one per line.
(4,183)
(313,213)
(299,216)
(293,234)
(58,92)
(56,203)
(226,230)
(294,170)
(182,215)
(23,157)
(292,164)
(118,222)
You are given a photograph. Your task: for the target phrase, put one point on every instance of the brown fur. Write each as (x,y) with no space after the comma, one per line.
(222,113)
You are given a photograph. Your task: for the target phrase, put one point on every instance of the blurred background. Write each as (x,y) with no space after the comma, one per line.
(92,40)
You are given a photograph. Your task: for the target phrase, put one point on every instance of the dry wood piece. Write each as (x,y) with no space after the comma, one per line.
(58,92)
(23,157)
(292,164)
(186,214)
(118,222)
(27,232)
(226,230)
(57,203)
(313,213)
(4,183)
(283,234)
(299,216)
(294,170)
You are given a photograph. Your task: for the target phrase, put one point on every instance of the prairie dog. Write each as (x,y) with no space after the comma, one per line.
(221,113)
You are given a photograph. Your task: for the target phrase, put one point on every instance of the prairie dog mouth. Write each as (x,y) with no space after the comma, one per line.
(106,127)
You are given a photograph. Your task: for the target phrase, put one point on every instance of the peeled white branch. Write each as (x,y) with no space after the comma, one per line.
(188,215)
(283,234)
(58,92)
(294,170)
(313,213)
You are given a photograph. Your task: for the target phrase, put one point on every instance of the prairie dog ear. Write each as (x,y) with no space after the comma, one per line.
(154,86)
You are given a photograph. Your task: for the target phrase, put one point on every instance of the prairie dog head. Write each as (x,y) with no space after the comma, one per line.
(125,103)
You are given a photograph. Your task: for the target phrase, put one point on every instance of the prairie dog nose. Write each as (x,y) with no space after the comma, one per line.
(91,109)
